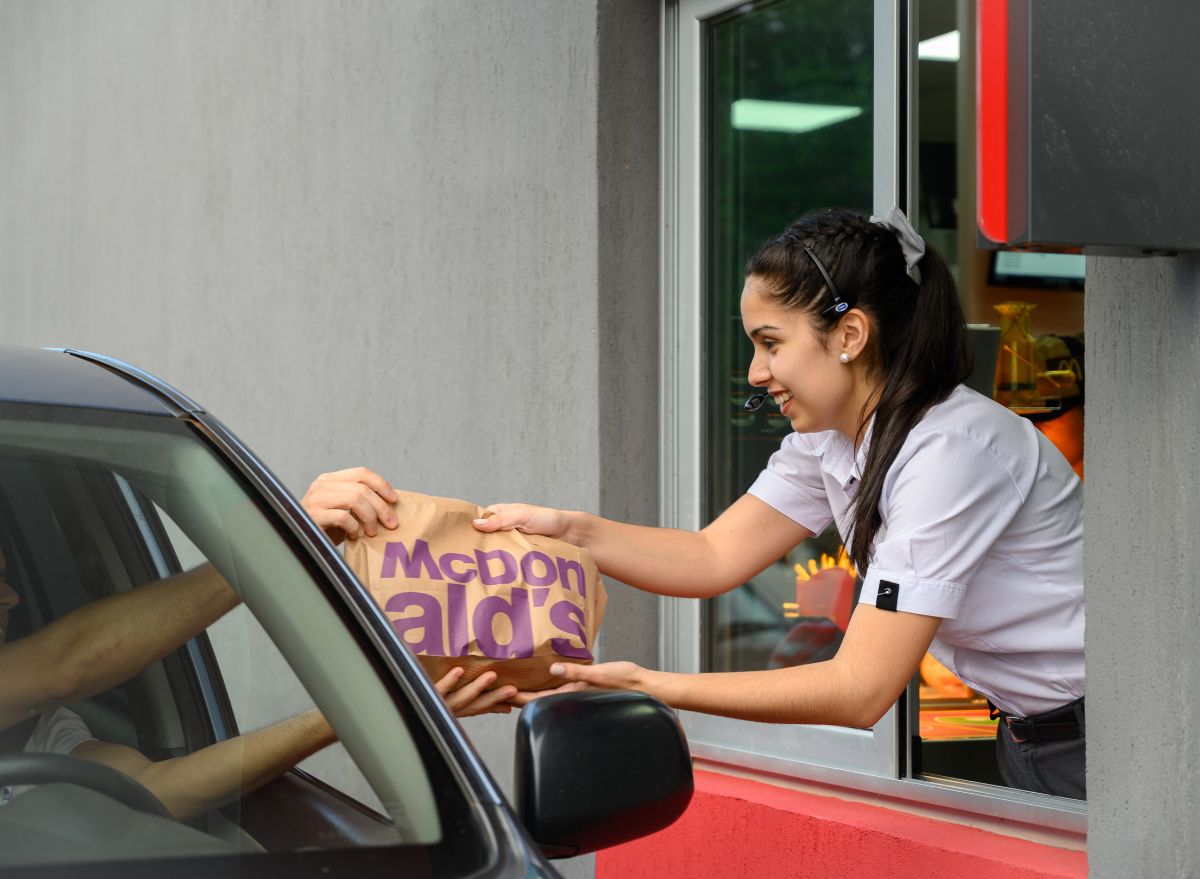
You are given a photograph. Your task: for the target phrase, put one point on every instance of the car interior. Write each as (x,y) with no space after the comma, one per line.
(80,501)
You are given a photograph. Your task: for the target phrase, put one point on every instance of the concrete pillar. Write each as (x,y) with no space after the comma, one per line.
(1141,556)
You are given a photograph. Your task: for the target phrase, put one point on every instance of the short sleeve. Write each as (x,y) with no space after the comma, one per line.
(792,484)
(59,732)
(948,501)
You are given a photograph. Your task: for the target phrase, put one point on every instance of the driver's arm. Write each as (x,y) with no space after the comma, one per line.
(221,773)
(107,642)
(210,777)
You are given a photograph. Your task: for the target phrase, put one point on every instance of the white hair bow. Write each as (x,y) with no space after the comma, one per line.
(912,244)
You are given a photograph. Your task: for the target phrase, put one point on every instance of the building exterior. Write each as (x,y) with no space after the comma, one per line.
(487,250)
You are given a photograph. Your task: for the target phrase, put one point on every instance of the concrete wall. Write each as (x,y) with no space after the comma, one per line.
(416,235)
(1142,559)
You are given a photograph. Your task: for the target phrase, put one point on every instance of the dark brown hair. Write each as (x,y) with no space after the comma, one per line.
(918,348)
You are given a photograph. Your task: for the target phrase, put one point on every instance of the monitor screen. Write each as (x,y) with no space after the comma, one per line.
(1025,268)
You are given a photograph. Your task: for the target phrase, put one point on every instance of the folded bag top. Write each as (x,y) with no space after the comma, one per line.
(508,602)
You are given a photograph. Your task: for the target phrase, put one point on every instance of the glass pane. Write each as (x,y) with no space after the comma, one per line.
(788,128)
(94,507)
(956,734)
(261,686)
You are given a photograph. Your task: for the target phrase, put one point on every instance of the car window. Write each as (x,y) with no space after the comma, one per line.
(259,681)
(119,532)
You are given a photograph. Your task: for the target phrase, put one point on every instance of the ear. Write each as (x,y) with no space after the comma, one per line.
(852,333)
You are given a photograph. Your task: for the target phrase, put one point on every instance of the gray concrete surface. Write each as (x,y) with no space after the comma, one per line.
(416,235)
(1142,559)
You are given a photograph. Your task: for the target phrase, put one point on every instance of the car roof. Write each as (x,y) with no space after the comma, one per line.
(66,377)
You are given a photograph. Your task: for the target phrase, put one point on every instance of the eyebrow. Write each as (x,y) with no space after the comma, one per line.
(754,332)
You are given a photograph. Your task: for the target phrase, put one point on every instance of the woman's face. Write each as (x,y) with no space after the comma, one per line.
(811,386)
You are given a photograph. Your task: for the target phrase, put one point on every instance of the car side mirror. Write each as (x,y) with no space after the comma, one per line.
(598,768)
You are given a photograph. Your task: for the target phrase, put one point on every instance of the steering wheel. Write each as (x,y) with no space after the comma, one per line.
(33,768)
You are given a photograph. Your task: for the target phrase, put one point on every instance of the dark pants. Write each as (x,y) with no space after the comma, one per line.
(1054,767)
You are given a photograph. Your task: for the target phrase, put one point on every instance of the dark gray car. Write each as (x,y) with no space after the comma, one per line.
(109,479)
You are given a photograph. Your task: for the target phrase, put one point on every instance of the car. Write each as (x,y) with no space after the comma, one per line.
(111,479)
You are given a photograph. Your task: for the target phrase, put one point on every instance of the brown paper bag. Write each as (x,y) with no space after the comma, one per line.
(510,602)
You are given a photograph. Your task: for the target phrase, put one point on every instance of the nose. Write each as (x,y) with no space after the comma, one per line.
(758,374)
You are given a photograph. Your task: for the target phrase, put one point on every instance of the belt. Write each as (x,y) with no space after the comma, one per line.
(1064,722)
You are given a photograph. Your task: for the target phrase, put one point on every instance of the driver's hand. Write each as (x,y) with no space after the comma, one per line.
(350,503)
(474,697)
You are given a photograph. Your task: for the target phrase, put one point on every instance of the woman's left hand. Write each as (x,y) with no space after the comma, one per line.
(603,676)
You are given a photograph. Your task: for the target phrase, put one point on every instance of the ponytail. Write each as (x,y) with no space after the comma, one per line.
(924,364)
(920,350)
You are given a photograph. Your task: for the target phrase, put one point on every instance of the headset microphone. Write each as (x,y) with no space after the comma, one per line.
(755,402)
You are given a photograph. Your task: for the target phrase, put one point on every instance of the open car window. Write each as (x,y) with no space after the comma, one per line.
(259,681)
(96,504)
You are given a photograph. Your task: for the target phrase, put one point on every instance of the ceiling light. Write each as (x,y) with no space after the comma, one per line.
(940,48)
(749,115)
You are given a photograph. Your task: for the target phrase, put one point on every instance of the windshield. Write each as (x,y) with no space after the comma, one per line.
(154,621)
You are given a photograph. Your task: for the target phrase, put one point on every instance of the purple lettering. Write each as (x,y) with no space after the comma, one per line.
(396,551)
(566,567)
(456,613)
(429,621)
(546,578)
(517,611)
(540,596)
(569,619)
(446,563)
(508,564)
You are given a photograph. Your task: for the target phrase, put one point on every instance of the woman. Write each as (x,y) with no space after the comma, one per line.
(965,520)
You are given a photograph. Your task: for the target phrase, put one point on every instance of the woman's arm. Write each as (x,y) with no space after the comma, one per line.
(691,564)
(740,543)
(877,659)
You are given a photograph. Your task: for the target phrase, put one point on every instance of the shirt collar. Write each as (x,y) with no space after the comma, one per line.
(860,460)
(839,459)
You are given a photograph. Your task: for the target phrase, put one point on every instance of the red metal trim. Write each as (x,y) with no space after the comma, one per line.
(991,118)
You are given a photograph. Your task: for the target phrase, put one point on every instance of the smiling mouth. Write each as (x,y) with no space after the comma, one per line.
(781,399)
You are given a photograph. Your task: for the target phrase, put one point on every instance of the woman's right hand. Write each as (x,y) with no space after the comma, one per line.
(527,519)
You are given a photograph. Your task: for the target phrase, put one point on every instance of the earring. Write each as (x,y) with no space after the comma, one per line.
(844,357)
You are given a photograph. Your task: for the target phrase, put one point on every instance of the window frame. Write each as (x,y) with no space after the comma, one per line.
(877,761)
(216,712)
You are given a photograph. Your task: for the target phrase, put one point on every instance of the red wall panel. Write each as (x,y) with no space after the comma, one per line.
(747,830)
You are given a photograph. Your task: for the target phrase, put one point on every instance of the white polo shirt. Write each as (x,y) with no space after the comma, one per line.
(57,732)
(982,526)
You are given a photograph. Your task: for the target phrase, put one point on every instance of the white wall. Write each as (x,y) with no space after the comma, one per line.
(419,235)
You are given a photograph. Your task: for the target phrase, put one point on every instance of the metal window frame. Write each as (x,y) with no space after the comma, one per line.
(873,761)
